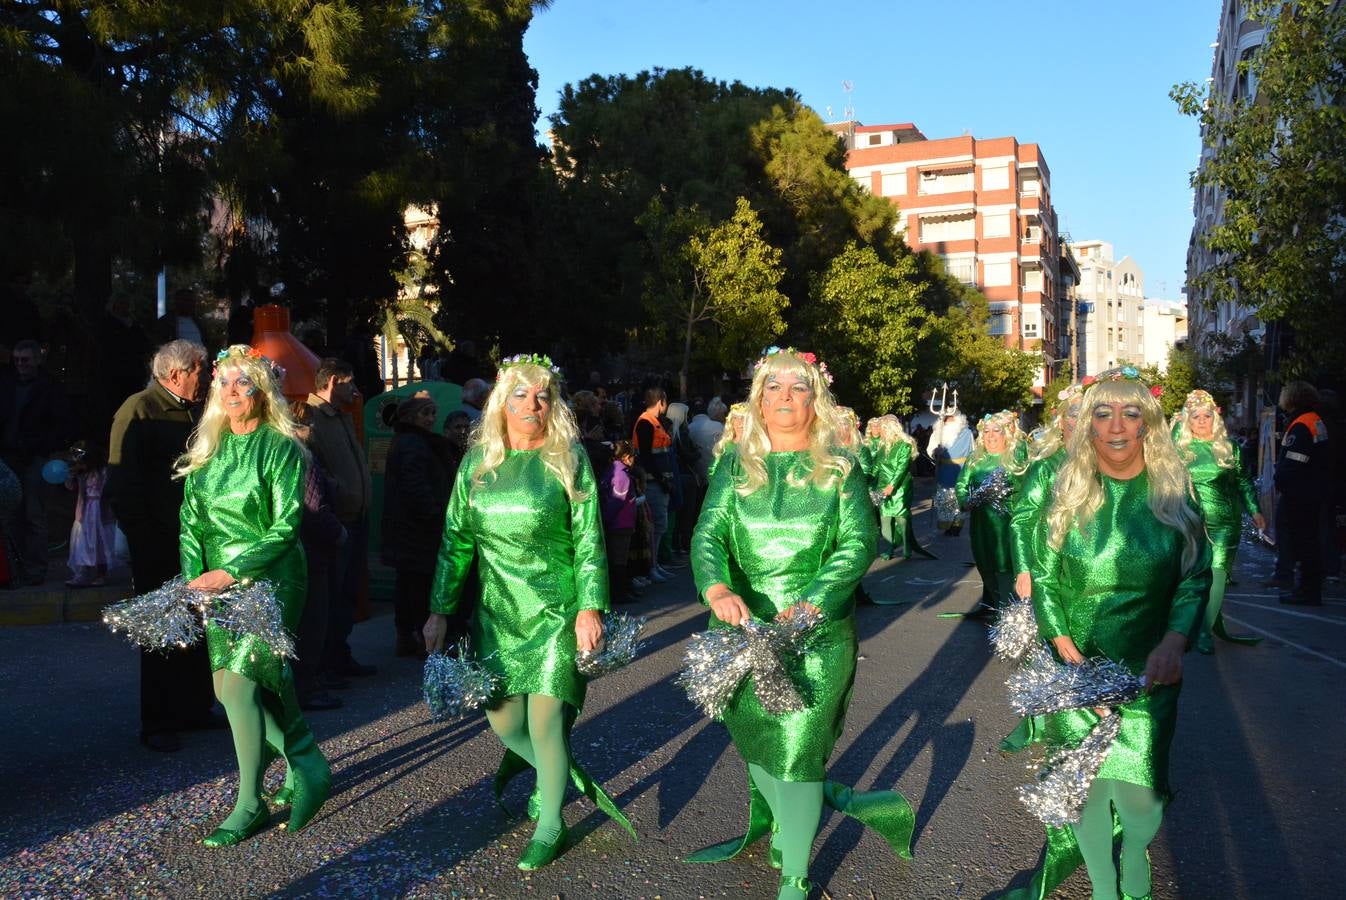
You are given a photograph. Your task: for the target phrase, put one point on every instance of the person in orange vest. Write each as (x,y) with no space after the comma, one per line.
(1302,475)
(653,443)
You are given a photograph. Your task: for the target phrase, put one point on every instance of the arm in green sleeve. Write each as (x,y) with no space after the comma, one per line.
(710,539)
(586,530)
(191,555)
(1192,594)
(284,471)
(1048,590)
(964,484)
(1024,518)
(1247,493)
(457,546)
(856,544)
(900,467)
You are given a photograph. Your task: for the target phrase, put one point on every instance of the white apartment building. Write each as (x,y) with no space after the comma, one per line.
(1109,298)
(1163,327)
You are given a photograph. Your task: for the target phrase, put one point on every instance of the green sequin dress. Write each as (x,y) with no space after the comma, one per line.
(894,468)
(991,549)
(1030,506)
(781,544)
(1225,494)
(541,560)
(241,513)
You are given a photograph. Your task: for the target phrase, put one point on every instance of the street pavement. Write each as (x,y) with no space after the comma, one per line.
(1257,813)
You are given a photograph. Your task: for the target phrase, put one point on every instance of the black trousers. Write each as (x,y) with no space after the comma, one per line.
(324,570)
(411,600)
(175,688)
(1304,522)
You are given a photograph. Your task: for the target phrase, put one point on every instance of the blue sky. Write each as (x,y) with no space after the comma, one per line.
(1086,80)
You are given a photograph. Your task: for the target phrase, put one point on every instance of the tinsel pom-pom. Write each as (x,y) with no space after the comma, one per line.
(1042,685)
(717,661)
(456,685)
(251,607)
(994,492)
(1255,535)
(1058,796)
(1015,632)
(876,497)
(161,619)
(946,505)
(621,645)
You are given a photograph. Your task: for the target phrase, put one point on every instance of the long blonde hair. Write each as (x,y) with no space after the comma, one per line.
(1078,490)
(891,433)
(1053,437)
(272,408)
(1015,444)
(848,429)
(559,451)
(825,468)
(1220,447)
(728,438)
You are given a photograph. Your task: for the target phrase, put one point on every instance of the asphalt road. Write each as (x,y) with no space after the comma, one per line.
(85,811)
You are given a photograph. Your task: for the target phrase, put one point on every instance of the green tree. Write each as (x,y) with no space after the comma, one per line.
(1179,379)
(1280,159)
(989,376)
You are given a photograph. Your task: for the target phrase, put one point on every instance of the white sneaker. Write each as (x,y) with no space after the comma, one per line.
(658,576)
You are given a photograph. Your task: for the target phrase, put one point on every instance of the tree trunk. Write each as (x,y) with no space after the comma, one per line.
(686,359)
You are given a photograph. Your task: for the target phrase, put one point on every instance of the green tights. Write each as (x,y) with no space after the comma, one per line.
(1140,811)
(533,726)
(253,727)
(796,807)
(1219,578)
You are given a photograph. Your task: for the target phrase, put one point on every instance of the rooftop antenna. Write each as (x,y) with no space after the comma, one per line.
(848,114)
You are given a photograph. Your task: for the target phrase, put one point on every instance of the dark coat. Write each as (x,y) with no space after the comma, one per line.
(416,484)
(44,426)
(149,433)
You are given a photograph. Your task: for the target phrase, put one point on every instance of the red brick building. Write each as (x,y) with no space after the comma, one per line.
(985,206)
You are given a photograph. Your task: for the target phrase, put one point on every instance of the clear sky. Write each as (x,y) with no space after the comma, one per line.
(1086,80)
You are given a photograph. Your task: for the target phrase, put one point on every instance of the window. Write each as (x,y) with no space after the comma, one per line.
(995,178)
(894,183)
(995,224)
(1110,344)
(944,182)
(948,228)
(1030,329)
(999,323)
(964,269)
(1032,280)
(996,274)
(875,140)
(1029,186)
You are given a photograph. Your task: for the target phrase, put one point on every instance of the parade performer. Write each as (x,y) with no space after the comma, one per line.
(243,499)
(733,428)
(1046,455)
(787,523)
(949,446)
(895,455)
(1121,570)
(525,505)
(1225,493)
(1000,448)
(870,449)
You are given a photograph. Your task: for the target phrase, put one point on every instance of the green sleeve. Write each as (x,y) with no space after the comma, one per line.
(1247,493)
(710,540)
(856,544)
(901,470)
(284,473)
(964,484)
(1037,483)
(191,552)
(1047,588)
(586,529)
(1191,595)
(457,545)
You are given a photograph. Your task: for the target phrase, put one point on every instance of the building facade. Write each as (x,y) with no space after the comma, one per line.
(1163,327)
(985,207)
(1109,297)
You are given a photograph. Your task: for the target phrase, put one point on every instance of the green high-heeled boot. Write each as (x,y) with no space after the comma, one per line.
(513,764)
(790,884)
(887,812)
(759,824)
(311,781)
(228,837)
(540,853)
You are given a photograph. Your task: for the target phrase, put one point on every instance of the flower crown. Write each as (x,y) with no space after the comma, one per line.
(1002,418)
(1199,398)
(527,359)
(276,369)
(1130,373)
(810,358)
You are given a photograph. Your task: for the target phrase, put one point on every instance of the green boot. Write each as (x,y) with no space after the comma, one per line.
(887,812)
(310,776)
(759,824)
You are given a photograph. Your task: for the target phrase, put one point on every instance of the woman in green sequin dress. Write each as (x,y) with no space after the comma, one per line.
(525,505)
(787,521)
(1225,492)
(1000,445)
(1121,570)
(243,498)
(893,477)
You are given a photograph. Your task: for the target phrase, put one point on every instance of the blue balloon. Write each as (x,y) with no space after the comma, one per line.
(55,471)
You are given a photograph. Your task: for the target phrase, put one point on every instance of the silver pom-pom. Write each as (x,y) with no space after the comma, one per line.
(456,685)
(877,497)
(994,492)
(946,505)
(1016,631)
(621,644)
(1058,796)
(250,607)
(161,619)
(1042,685)
(717,661)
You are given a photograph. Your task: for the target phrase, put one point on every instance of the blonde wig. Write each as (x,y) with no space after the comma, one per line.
(271,407)
(733,424)
(872,427)
(1220,447)
(1015,442)
(848,429)
(825,468)
(891,433)
(559,451)
(1078,490)
(1052,438)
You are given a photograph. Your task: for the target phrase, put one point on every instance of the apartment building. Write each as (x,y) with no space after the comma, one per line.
(1163,327)
(985,207)
(1109,297)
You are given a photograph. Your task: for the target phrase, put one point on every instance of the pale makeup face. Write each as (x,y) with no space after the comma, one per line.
(787,404)
(1069,418)
(994,439)
(1201,421)
(872,429)
(526,410)
(1118,437)
(237,393)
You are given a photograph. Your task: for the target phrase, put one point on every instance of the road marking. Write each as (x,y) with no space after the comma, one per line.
(1277,597)
(1289,612)
(1271,634)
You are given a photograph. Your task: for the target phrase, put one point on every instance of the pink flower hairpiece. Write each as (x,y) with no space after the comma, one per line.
(802,355)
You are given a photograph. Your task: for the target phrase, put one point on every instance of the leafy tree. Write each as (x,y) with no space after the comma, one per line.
(989,376)
(1280,160)
(1179,379)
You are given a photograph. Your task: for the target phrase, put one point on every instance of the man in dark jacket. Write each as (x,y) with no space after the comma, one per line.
(33,426)
(149,433)
(1303,482)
